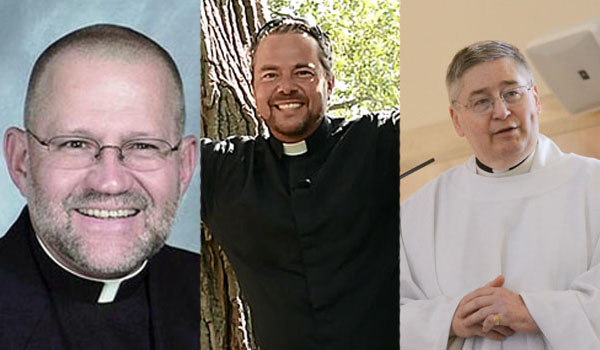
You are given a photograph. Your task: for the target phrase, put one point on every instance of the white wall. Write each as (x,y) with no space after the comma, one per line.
(433,31)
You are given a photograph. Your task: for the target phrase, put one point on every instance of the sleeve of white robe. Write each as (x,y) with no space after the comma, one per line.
(570,319)
(424,322)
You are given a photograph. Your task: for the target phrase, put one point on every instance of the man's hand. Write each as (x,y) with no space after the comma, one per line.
(492,303)
(463,324)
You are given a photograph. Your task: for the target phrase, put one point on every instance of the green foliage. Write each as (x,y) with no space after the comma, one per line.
(366,44)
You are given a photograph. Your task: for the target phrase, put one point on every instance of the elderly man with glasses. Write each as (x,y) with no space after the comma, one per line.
(103,164)
(502,252)
(308,215)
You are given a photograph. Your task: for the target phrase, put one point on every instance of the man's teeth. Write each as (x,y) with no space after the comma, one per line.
(289,106)
(108,214)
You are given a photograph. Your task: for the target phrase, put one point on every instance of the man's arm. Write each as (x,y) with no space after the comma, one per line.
(223,169)
(570,319)
(424,322)
(429,323)
(556,314)
(208,163)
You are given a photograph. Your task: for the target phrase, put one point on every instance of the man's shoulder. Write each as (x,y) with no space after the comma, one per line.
(592,163)
(169,255)
(586,170)
(175,266)
(229,145)
(449,175)
(175,281)
(426,195)
(568,163)
(382,119)
(25,296)
(14,245)
(382,126)
(233,148)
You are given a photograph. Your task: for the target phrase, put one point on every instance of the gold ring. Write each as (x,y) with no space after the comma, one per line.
(496,320)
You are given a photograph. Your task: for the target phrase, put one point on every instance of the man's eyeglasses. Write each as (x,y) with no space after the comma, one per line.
(77,152)
(484,104)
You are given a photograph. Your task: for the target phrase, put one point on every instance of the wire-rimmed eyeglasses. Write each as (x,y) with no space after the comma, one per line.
(78,152)
(484,104)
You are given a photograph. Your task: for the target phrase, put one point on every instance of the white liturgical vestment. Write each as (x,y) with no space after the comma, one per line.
(539,229)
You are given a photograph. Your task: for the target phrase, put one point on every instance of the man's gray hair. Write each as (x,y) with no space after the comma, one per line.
(103,41)
(480,52)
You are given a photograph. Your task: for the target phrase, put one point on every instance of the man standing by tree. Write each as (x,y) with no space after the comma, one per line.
(309,215)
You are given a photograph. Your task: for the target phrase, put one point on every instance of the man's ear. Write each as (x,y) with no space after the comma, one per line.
(456,121)
(330,84)
(538,102)
(189,160)
(16,154)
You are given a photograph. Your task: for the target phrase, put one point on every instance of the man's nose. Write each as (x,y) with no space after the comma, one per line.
(286,85)
(500,111)
(109,175)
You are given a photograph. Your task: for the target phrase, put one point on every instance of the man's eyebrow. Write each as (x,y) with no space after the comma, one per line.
(508,82)
(478,92)
(503,84)
(268,67)
(128,135)
(305,65)
(76,131)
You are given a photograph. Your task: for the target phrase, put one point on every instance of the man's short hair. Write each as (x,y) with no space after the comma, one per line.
(300,26)
(480,52)
(103,41)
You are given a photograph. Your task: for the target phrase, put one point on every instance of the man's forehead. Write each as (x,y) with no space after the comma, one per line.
(84,57)
(300,44)
(295,36)
(77,79)
(496,74)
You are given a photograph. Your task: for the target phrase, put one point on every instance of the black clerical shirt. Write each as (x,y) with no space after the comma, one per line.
(42,306)
(313,238)
(81,322)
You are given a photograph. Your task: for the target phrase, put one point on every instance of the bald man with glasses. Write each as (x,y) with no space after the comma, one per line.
(103,163)
(502,252)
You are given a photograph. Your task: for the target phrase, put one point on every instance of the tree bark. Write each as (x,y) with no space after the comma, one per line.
(227,27)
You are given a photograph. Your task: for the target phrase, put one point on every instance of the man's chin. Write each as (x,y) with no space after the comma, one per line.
(289,134)
(294,130)
(110,263)
(111,257)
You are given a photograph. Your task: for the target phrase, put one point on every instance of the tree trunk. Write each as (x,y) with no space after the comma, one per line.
(227,27)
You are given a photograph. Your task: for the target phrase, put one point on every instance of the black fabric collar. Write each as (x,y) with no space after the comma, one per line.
(315,141)
(487,169)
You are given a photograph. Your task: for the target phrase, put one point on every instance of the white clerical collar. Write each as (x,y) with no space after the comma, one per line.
(294,149)
(111,286)
(522,168)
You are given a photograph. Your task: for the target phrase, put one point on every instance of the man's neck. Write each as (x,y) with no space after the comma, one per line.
(522,167)
(111,285)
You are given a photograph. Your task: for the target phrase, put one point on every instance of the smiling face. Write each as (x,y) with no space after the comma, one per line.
(290,85)
(104,220)
(506,135)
